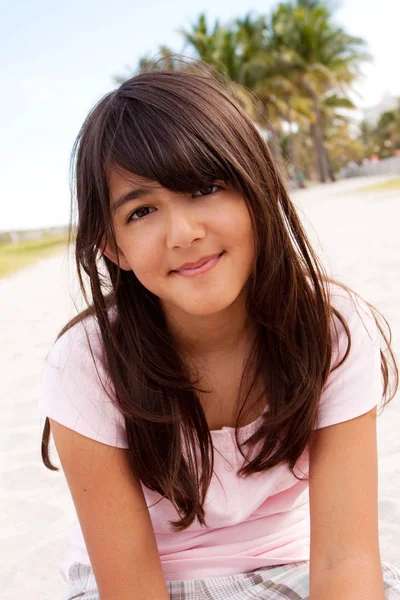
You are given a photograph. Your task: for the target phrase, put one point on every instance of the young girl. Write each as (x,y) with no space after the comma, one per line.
(214,408)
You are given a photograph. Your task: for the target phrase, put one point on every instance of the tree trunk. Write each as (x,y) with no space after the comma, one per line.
(319,152)
(329,165)
(273,141)
(317,135)
(293,150)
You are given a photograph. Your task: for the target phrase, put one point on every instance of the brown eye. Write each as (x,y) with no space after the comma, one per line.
(206,191)
(138,215)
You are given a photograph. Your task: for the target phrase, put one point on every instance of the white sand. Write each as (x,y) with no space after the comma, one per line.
(359,234)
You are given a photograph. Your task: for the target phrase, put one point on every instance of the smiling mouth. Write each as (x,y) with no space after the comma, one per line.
(204,268)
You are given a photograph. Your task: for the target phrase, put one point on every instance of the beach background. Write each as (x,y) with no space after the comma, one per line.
(356,234)
(326,81)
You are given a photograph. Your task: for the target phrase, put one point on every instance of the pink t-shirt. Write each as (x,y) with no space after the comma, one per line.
(252,522)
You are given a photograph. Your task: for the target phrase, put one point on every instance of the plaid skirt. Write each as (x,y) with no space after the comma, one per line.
(290,582)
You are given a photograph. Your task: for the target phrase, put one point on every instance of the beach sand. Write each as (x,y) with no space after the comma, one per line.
(359,236)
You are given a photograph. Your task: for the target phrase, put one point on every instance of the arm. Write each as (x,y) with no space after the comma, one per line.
(345,561)
(114,517)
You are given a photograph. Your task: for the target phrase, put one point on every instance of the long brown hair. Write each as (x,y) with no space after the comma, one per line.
(185,130)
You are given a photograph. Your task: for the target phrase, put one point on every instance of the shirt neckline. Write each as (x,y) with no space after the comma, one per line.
(249,428)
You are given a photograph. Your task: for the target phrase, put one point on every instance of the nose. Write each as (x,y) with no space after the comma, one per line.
(184,224)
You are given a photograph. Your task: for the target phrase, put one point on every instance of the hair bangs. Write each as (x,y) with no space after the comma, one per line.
(156,145)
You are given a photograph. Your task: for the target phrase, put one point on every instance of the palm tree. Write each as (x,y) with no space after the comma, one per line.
(325,60)
(387,131)
(204,40)
(238,51)
(293,68)
(333,120)
(394,128)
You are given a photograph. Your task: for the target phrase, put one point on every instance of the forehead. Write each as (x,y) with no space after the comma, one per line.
(120,180)
(125,187)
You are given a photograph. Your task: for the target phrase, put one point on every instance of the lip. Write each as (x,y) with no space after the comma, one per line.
(198,263)
(203,267)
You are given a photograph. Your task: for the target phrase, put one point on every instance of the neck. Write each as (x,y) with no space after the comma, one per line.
(199,336)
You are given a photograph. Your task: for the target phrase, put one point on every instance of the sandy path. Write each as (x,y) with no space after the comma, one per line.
(359,234)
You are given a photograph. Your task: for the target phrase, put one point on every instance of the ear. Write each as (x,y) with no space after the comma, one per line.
(112,253)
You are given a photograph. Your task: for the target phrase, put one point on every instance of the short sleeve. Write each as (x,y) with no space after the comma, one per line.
(72,390)
(355,387)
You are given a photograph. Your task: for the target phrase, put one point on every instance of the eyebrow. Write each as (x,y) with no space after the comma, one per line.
(134,194)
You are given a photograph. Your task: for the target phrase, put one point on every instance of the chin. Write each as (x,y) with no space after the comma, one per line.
(209,306)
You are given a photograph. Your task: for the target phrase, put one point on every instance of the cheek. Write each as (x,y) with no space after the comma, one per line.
(241,230)
(245,244)
(145,258)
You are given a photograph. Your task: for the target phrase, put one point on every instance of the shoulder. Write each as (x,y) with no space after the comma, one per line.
(356,314)
(348,302)
(354,385)
(77,391)
(81,342)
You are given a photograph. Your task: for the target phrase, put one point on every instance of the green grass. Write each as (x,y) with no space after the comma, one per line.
(392,184)
(14,257)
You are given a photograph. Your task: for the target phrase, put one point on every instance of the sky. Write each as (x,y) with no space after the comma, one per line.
(59,58)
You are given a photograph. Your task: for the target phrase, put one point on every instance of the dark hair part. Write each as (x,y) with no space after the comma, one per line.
(147,126)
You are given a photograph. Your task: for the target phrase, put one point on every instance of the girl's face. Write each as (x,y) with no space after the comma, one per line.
(158,231)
